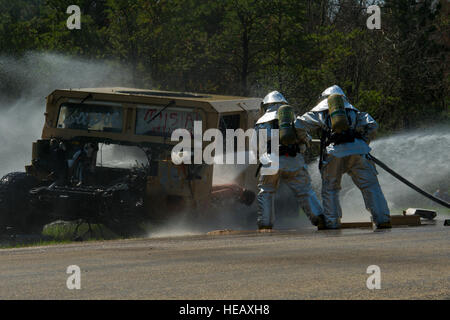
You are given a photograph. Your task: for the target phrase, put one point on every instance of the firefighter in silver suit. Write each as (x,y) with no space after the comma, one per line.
(292,169)
(345,152)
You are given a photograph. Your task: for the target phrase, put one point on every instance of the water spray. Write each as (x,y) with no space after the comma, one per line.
(408,183)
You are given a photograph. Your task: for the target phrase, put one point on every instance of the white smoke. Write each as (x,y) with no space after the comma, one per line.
(180,225)
(38,74)
(233,173)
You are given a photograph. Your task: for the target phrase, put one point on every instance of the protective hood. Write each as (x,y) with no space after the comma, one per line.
(271,114)
(333,90)
(323,105)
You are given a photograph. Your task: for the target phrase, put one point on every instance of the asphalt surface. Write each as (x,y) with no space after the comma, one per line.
(290,264)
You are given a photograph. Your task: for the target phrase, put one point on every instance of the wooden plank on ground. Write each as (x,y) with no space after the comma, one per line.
(400,220)
(350,225)
(230,231)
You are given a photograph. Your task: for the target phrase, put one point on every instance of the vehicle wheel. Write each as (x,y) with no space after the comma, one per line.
(124,217)
(15,208)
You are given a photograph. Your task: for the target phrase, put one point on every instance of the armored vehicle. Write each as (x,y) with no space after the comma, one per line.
(105,157)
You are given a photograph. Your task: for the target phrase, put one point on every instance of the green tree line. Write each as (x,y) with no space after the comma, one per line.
(398,73)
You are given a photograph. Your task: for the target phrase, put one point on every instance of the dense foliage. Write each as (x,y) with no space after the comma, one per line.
(249,47)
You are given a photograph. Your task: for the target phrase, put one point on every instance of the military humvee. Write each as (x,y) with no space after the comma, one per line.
(69,177)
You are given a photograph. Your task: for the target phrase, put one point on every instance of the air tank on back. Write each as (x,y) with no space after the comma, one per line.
(338,115)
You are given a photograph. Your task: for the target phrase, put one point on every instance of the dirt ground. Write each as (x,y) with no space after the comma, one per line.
(286,264)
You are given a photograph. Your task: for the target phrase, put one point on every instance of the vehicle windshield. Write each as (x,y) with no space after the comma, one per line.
(93,117)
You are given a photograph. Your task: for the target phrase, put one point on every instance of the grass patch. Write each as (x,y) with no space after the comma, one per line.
(67,231)
(60,232)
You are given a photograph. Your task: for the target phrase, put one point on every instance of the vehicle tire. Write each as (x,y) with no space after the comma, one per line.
(15,208)
(123,217)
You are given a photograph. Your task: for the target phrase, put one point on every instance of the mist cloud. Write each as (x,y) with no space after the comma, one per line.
(26,81)
(421,156)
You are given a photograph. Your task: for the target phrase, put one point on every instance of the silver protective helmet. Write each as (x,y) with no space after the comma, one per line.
(270,105)
(274,97)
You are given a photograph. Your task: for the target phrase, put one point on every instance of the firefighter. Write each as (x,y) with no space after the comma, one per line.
(345,136)
(292,167)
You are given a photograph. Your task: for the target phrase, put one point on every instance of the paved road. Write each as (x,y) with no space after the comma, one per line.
(300,264)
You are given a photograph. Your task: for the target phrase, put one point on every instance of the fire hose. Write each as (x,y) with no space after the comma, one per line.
(399,177)
(408,183)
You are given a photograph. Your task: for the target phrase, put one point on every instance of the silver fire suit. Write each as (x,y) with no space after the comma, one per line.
(351,158)
(293,171)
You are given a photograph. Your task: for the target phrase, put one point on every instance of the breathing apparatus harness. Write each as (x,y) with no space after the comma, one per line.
(288,150)
(284,122)
(338,126)
(288,137)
